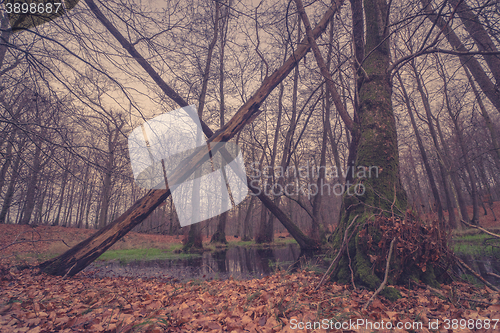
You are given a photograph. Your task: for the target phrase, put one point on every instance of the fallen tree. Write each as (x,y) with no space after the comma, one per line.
(81,255)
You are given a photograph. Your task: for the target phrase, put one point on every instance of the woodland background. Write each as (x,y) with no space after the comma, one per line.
(70,94)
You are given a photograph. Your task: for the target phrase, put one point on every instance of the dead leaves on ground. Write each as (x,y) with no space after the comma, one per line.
(32,302)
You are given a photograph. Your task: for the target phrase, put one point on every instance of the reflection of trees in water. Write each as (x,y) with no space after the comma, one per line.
(240,262)
(220,259)
(483,265)
(244,260)
(264,256)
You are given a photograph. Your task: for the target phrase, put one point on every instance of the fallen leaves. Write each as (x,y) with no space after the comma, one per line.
(31,302)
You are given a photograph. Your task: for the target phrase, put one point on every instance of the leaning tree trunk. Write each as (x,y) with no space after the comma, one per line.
(81,255)
(487,86)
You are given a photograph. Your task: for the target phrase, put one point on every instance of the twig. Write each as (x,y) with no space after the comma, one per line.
(475,274)
(350,268)
(385,276)
(64,277)
(393,203)
(494,275)
(335,261)
(477,301)
(482,229)
(32,241)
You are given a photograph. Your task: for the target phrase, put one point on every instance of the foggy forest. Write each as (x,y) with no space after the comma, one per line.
(368,132)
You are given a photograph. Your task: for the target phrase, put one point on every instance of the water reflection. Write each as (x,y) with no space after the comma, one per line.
(247,263)
(238,262)
(483,265)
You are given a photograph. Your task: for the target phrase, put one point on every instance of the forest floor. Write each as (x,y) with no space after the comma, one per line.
(31,301)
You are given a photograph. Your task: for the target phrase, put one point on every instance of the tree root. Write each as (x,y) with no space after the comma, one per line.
(335,262)
(385,276)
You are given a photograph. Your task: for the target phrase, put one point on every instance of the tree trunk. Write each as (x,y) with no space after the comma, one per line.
(265,233)
(378,146)
(430,124)
(455,183)
(318,229)
(479,35)
(461,143)
(4,36)
(113,136)
(265,228)
(9,195)
(489,88)
(495,140)
(423,153)
(32,186)
(220,234)
(416,179)
(246,236)
(194,242)
(64,182)
(8,157)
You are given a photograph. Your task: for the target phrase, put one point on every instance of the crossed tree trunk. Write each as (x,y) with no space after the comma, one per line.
(81,255)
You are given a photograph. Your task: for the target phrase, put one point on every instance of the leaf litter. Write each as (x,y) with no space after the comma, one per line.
(33,302)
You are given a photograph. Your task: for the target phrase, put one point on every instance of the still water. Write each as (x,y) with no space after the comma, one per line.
(247,263)
(238,262)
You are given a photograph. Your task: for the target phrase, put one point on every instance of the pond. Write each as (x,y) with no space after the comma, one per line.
(248,263)
(238,262)
(483,265)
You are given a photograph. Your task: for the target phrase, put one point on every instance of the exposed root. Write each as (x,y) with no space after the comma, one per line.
(382,286)
(333,265)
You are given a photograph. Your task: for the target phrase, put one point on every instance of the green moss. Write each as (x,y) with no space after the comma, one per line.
(429,278)
(241,243)
(391,294)
(343,274)
(363,268)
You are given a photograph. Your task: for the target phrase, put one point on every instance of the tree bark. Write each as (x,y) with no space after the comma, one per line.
(246,236)
(220,233)
(32,186)
(495,140)
(378,146)
(4,36)
(9,195)
(455,183)
(64,182)
(416,180)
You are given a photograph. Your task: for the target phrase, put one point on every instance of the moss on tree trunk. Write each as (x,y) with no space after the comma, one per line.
(376,188)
